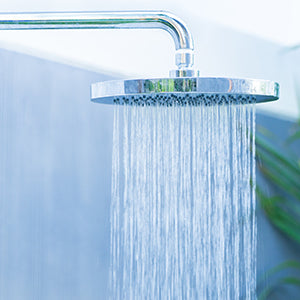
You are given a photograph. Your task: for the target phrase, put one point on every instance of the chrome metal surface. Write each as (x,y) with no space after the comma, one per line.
(182,73)
(110,20)
(107,91)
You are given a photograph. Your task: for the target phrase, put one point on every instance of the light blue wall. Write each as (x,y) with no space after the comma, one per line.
(55,173)
(55,154)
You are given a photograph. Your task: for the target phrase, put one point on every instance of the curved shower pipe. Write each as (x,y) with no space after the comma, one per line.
(184,56)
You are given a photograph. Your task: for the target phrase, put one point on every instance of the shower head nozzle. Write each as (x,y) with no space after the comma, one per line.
(184,90)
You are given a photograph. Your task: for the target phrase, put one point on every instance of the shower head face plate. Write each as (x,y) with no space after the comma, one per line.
(185,90)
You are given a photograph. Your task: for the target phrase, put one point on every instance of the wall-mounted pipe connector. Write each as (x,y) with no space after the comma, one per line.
(183,40)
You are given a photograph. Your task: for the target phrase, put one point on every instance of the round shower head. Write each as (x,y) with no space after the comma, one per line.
(184,90)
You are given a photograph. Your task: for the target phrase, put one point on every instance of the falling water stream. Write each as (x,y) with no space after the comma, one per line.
(182,214)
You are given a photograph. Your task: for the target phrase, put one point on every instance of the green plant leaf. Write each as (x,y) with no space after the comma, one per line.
(289,161)
(285,220)
(291,178)
(291,280)
(284,265)
(294,137)
(269,289)
(289,264)
(278,179)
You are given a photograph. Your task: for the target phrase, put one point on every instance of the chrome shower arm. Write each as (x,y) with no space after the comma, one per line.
(111,20)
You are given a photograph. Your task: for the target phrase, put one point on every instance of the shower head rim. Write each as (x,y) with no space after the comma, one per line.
(107,91)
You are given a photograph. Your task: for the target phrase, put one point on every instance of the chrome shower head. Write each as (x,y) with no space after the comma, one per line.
(184,90)
(182,87)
